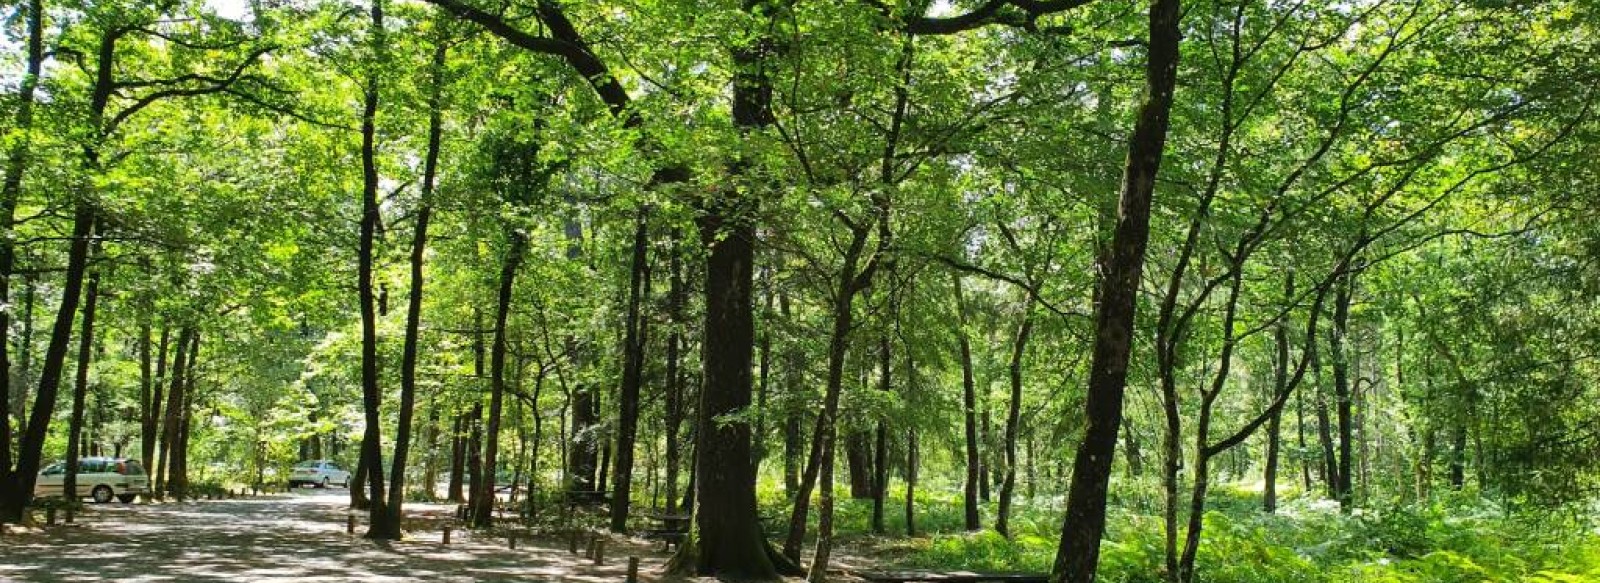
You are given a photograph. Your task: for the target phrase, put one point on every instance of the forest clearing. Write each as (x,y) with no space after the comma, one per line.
(873,291)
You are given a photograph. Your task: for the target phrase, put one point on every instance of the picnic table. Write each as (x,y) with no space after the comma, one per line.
(673,529)
(952,577)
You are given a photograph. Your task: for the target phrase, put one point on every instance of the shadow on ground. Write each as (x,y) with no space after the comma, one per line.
(297,537)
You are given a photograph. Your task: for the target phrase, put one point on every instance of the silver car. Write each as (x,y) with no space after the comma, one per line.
(319,473)
(100,478)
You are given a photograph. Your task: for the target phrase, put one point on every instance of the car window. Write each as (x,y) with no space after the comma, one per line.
(334,467)
(133,468)
(55,468)
(305,465)
(91,466)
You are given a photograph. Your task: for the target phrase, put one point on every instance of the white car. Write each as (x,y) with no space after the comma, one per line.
(100,478)
(319,473)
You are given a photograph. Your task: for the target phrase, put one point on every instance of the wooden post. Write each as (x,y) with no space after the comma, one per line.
(69,514)
(513,540)
(446,534)
(572,542)
(599,551)
(350,524)
(50,516)
(633,569)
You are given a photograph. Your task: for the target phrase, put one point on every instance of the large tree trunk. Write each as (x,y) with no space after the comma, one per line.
(408,358)
(969,405)
(175,405)
(1084,525)
(10,194)
(728,542)
(858,458)
(381,527)
(1008,486)
(632,375)
(80,387)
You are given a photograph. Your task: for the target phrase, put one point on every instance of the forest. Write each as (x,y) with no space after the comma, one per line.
(1113,290)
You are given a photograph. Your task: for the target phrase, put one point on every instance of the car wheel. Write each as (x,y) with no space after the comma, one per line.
(324,483)
(101,494)
(127,498)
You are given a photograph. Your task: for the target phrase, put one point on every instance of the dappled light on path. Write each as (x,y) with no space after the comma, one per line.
(298,536)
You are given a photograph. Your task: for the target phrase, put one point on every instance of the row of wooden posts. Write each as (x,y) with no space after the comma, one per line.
(595,550)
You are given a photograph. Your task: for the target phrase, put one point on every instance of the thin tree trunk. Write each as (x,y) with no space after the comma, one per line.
(483,498)
(632,375)
(1008,486)
(1280,378)
(381,527)
(1341,391)
(674,399)
(880,462)
(458,459)
(969,405)
(408,360)
(80,388)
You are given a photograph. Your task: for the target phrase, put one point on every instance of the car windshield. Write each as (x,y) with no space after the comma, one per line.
(306,465)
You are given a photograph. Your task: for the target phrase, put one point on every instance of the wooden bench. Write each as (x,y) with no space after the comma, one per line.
(952,577)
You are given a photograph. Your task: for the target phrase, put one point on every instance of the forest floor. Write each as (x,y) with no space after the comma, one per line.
(299,536)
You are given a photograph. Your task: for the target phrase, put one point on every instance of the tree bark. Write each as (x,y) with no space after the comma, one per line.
(80,387)
(969,405)
(381,527)
(1078,555)
(1341,391)
(632,375)
(483,499)
(408,355)
(10,194)
(1280,378)
(1008,485)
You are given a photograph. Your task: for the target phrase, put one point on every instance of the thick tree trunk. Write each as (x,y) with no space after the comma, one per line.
(632,375)
(1078,556)
(858,458)
(1008,485)
(10,194)
(969,406)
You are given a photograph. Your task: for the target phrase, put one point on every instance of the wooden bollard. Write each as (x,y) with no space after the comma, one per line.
(447,534)
(513,541)
(572,542)
(50,516)
(599,551)
(633,569)
(350,524)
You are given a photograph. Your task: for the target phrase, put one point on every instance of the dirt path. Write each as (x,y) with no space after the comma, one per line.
(299,537)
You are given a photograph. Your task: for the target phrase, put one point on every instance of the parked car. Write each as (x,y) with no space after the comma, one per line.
(100,478)
(318,473)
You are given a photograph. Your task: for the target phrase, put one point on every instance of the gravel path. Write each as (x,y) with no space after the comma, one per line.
(298,537)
